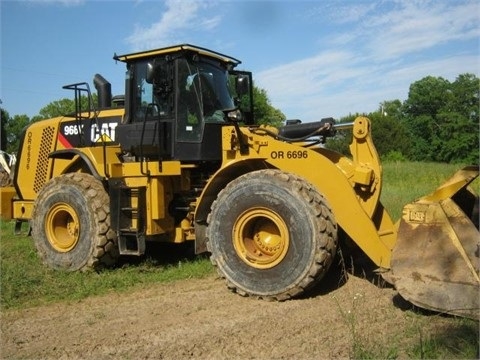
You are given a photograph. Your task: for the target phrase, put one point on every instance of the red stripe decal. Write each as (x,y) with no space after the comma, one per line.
(64,141)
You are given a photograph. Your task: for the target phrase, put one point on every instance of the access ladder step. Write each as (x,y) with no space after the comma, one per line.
(131,242)
(128,208)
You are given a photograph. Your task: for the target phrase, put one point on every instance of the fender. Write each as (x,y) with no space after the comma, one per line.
(69,154)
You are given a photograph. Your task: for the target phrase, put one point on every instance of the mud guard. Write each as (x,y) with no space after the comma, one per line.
(435,262)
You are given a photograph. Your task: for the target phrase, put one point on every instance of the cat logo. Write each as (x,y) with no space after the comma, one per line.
(105,134)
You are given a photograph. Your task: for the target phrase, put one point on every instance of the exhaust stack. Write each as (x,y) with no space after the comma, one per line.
(104,90)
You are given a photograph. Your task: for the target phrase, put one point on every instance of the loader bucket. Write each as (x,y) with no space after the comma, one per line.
(435,262)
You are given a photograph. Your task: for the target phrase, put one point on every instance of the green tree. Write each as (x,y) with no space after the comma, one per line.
(422,134)
(264,112)
(389,134)
(443,119)
(14,128)
(427,97)
(63,107)
(57,108)
(466,96)
(391,108)
(456,140)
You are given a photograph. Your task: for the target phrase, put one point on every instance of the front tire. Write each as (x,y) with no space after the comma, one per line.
(71,224)
(271,235)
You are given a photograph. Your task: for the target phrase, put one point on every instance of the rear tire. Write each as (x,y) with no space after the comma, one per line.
(71,224)
(271,235)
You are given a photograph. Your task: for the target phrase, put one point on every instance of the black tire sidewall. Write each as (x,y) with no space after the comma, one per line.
(72,193)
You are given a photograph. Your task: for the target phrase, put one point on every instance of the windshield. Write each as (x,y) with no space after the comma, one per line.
(204,90)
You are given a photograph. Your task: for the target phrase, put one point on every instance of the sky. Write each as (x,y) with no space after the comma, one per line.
(315,59)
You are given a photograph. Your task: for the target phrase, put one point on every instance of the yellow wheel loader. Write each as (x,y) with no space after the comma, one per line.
(180,158)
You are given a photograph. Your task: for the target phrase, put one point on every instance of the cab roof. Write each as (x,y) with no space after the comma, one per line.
(175,49)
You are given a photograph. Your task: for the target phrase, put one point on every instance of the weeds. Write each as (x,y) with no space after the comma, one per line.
(361,345)
(429,336)
(457,340)
(453,338)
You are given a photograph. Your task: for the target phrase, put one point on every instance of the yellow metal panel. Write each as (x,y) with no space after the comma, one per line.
(22,209)
(99,157)
(60,166)
(176,48)
(365,156)
(34,165)
(6,197)
(162,226)
(156,199)
(155,168)
(170,168)
(363,175)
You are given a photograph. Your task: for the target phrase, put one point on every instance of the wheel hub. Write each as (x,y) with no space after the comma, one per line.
(261,238)
(62,227)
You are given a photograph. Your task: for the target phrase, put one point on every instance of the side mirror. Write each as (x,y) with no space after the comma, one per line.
(242,85)
(150,73)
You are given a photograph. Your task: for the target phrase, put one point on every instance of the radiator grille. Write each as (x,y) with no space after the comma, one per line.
(42,164)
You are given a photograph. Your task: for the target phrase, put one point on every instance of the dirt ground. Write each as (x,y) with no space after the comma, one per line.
(201,319)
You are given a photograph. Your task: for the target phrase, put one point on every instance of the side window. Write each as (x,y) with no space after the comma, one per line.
(189,112)
(146,93)
(143,103)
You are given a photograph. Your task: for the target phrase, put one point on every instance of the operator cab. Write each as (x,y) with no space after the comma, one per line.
(177,100)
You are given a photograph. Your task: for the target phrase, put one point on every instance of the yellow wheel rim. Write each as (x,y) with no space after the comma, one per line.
(260,238)
(62,227)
